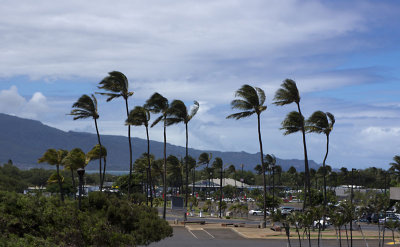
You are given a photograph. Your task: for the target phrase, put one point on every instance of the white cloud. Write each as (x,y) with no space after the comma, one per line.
(11,102)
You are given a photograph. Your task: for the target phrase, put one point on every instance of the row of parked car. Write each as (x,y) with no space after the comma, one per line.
(284,210)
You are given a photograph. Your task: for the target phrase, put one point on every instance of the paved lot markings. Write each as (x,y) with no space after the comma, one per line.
(201,234)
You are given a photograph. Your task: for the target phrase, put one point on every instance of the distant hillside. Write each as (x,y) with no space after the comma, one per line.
(24,141)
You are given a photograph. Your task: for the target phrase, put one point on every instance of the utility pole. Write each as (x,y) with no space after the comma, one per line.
(352,210)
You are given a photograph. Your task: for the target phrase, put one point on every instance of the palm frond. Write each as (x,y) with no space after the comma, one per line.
(287,94)
(85,107)
(292,123)
(218,163)
(241,104)
(111,96)
(194,109)
(96,153)
(157,103)
(178,110)
(240,115)
(261,95)
(157,120)
(138,116)
(249,94)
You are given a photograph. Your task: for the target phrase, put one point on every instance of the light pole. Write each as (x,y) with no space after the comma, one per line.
(81,173)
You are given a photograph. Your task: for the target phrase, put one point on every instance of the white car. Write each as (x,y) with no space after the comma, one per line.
(320,222)
(256,212)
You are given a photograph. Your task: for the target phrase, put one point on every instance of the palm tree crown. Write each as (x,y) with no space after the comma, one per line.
(85,107)
(320,122)
(138,116)
(179,111)
(117,83)
(287,94)
(292,123)
(252,101)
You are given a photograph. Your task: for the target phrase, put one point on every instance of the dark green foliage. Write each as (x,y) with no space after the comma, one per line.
(103,221)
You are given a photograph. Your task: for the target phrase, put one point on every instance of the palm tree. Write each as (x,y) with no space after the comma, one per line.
(395,166)
(232,169)
(179,113)
(270,161)
(252,101)
(205,159)
(118,85)
(159,104)
(218,165)
(141,116)
(288,94)
(321,122)
(55,157)
(86,107)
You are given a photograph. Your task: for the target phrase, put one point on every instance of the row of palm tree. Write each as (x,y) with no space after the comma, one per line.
(250,100)
(71,160)
(116,85)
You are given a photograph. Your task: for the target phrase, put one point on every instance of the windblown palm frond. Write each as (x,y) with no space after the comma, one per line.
(395,166)
(54,178)
(53,156)
(252,100)
(96,153)
(320,122)
(205,158)
(157,103)
(270,160)
(117,83)
(194,109)
(292,123)
(287,94)
(138,116)
(85,107)
(75,159)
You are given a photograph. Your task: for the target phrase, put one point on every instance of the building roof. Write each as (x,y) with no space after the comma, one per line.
(216,182)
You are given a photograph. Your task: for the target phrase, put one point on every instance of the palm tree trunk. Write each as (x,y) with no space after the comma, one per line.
(186,167)
(101,155)
(347,235)
(73,182)
(307,185)
(324,167)
(273,188)
(340,237)
(165,168)
(263,169)
(298,235)
(59,183)
(149,166)
(130,150)
(194,179)
(220,192)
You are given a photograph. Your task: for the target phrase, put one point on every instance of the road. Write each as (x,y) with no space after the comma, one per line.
(228,237)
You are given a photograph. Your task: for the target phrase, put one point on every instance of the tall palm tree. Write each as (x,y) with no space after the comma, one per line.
(159,104)
(218,165)
(251,100)
(205,159)
(288,94)
(86,107)
(179,113)
(118,86)
(321,122)
(141,116)
(270,160)
(55,157)
(232,169)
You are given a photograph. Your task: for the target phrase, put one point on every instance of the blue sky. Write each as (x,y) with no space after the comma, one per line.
(344,56)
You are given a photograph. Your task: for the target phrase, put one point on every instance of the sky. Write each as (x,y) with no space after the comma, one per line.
(343,55)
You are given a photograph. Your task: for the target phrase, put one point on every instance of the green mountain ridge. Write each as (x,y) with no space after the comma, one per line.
(25,140)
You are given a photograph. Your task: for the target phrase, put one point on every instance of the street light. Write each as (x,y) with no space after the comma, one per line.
(81,173)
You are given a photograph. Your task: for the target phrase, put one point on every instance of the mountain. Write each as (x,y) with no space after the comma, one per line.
(25,140)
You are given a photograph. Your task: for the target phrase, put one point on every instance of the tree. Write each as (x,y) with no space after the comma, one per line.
(321,122)
(205,159)
(179,113)
(218,165)
(118,86)
(251,100)
(141,116)
(270,160)
(395,166)
(288,94)
(55,157)
(159,104)
(86,107)
(232,169)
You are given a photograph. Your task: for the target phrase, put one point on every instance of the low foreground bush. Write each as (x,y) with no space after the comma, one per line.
(105,220)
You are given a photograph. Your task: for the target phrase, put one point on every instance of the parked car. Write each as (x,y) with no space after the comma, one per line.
(256,212)
(320,223)
(286,210)
(388,218)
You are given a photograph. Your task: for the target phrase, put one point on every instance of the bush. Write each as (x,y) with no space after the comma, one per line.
(105,220)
